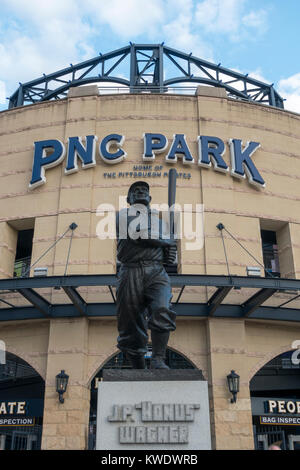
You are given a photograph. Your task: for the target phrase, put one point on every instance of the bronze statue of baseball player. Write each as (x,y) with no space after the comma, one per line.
(143,289)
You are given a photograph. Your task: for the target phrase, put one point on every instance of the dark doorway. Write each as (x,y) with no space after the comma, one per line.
(22,403)
(279,381)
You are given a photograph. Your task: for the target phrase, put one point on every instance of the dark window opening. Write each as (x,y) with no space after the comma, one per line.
(23,253)
(270,253)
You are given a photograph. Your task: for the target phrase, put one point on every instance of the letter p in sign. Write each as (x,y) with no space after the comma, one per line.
(42,160)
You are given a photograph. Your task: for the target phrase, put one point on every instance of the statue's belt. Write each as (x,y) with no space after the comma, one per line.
(144,262)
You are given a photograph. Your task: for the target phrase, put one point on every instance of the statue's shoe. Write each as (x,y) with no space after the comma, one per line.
(157,363)
(137,362)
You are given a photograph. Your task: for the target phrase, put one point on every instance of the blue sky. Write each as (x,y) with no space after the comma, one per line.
(258,37)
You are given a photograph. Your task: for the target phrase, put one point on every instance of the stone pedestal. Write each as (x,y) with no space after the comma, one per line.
(153,410)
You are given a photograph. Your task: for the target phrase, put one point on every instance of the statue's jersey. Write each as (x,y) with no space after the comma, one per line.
(151,247)
(131,251)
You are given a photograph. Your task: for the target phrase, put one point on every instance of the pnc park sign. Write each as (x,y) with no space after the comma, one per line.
(50,153)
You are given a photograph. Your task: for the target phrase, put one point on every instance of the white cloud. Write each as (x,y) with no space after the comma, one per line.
(289,89)
(291,83)
(39,37)
(219,15)
(258,75)
(3,99)
(46,36)
(127,18)
(256,20)
(292,102)
(180,36)
(43,37)
(227,17)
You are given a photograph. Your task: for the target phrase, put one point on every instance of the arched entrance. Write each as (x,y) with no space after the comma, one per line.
(275,401)
(21,405)
(174,360)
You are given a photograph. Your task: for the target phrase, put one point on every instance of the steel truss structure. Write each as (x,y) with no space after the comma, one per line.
(252,308)
(145,66)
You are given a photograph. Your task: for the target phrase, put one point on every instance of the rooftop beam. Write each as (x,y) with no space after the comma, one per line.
(159,51)
(37,301)
(193,310)
(76,299)
(257,300)
(217,298)
(177,280)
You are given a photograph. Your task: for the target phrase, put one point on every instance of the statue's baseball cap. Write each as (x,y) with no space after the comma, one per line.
(138,183)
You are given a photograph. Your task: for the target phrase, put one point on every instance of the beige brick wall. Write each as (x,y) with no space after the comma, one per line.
(216,345)
(8,247)
(75,197)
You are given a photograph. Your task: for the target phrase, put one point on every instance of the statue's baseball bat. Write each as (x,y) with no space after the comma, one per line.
(172,196)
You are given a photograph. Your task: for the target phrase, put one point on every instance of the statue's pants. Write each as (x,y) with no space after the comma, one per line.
(143,301)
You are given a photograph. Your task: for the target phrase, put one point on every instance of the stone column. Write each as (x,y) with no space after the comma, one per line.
(8,246)
(285,252)
(293,241)
(65,425)
(231,422)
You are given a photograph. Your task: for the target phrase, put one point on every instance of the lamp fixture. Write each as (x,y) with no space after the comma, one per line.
(61,384)
(233,381)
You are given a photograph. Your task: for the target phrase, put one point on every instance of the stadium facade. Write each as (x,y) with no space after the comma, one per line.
(235,292)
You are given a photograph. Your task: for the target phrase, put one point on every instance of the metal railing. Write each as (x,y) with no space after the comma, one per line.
(142,68)
(21,267)
(271,259)
(281,363)
(13,370)
(182,90)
